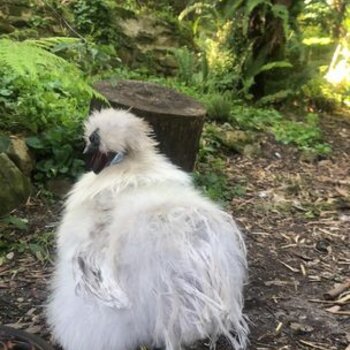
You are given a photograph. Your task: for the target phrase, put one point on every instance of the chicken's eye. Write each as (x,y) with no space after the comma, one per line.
(94,138)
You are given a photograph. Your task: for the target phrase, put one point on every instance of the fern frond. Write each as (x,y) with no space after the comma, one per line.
(274,98)
(94,93)
(49,43)
(26,58)
(185,61)
(198,6)
(32,58)
(276,64)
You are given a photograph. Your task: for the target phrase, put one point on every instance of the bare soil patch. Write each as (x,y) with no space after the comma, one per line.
(296,215)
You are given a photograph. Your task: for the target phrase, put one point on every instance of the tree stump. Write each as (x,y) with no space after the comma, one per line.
(177,119)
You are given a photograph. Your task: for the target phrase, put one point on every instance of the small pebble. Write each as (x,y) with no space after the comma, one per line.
(322,246)
(10,255)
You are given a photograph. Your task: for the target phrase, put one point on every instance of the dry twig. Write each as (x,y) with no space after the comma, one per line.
(333,293)
(312,345)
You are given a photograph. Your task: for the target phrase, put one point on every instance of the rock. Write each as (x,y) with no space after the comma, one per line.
(59,186)
(10,255)
(21,14)
(235,140)
(308,157)
(251,150)
(19,22)
(150,41)
(298,328)
(19,153)
(14,186)
(6,28)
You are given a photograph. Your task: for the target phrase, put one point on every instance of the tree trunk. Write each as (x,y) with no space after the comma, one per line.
(177,119)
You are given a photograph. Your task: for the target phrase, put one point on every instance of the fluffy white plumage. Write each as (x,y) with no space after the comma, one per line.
(143,258)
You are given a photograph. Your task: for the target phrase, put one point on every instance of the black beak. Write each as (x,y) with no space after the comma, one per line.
(96,160)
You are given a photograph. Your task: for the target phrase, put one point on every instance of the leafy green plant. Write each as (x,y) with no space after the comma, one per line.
(218,107)
(320,95)
(306,135)
(260,119)
(94,18)
(210,174)
(255,42)
(15,222)
(29,56)
(41,246)
(186,64)
(89,56)
(45,96)
(58,151)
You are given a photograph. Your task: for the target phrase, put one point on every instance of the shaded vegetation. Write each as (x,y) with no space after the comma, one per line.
(247,60)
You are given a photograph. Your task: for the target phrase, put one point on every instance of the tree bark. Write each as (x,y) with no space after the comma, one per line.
(177,120)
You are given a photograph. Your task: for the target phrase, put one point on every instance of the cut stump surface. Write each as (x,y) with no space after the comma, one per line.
(177,119)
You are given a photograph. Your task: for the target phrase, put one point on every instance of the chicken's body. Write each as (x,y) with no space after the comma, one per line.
(144,259)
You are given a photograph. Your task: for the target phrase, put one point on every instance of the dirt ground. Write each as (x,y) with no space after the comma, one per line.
(295,213)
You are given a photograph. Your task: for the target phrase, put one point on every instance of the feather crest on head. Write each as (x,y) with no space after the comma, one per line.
(121,132)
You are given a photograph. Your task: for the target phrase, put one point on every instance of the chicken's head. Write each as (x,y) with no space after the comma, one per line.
(113,135)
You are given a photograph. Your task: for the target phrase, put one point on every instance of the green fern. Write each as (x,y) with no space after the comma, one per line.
(275,98)
(27,58)
(276,64)
(186,64)
(31,57)
(197,7)
(51,42)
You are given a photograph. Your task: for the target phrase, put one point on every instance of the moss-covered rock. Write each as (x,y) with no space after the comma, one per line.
(235,140)
(252,150)
(148,36)
(14,186)
(24,19)
(19,153)
(16,149)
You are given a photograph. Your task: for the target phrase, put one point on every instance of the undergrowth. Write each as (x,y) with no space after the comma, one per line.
(15,238)
(44,97)
(211,173)
(304,133)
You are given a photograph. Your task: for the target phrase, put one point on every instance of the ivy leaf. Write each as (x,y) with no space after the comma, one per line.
(34,142)
(16,222)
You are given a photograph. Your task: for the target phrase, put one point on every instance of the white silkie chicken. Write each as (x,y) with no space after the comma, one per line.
(143,257)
